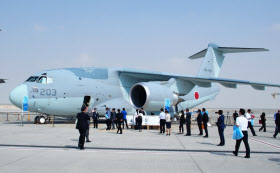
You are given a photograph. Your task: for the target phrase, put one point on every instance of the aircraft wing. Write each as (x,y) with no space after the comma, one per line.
(200,81)
(2,80)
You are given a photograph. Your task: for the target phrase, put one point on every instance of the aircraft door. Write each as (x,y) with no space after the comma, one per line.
(87,100)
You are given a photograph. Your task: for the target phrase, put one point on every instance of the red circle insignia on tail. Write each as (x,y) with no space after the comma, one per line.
(196,95)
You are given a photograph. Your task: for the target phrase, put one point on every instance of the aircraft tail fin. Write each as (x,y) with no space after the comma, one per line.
(214,57)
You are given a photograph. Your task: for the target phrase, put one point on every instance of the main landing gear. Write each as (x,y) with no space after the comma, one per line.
(40,120)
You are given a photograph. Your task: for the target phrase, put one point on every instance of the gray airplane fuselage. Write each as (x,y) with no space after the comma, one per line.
(61,92)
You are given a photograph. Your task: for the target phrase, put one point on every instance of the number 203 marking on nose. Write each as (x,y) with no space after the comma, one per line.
(48,92)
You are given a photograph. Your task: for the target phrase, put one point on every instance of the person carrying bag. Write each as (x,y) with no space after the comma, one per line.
(237,133)
(241,125)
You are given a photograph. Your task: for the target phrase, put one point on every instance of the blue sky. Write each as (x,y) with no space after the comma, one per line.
(153,35)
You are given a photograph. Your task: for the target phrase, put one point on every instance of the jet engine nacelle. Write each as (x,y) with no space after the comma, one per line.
(151,96)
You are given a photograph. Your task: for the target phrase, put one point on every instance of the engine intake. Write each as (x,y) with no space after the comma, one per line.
(151,96)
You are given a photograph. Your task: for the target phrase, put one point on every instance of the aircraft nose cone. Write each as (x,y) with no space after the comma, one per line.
(17,95)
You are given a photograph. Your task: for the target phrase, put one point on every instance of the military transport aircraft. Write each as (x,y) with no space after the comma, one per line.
(61,92)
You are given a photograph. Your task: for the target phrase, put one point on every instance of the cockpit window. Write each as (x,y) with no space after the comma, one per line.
(42,80)
(32,79)
(45,80)
(49,80)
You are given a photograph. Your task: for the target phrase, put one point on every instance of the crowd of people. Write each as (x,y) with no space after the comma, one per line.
(113,119)
(243,121)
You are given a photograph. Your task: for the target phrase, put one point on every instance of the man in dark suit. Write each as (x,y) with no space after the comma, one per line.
(82,125)
(113,117)
(205,120)
(221,126)
(119,120)
(199,122)
(277,123)
(188,122)
(95,118)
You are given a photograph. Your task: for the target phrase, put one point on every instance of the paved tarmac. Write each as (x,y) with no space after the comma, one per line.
(44,148)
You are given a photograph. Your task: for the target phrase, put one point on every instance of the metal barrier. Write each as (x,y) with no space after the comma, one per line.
(16,116)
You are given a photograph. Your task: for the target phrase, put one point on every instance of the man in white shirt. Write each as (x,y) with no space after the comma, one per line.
(162,121)
(249,118)
(242,123)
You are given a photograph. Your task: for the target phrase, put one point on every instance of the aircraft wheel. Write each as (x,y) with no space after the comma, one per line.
(42,120)
(36,120)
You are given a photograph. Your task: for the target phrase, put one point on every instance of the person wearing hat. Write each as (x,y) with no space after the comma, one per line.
(82,125)
(221,126)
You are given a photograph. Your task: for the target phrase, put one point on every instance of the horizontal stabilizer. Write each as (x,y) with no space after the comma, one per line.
(200,54)
(225,50)
(240,50)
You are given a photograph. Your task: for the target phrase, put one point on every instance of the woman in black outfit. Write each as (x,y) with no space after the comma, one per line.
(263,119)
